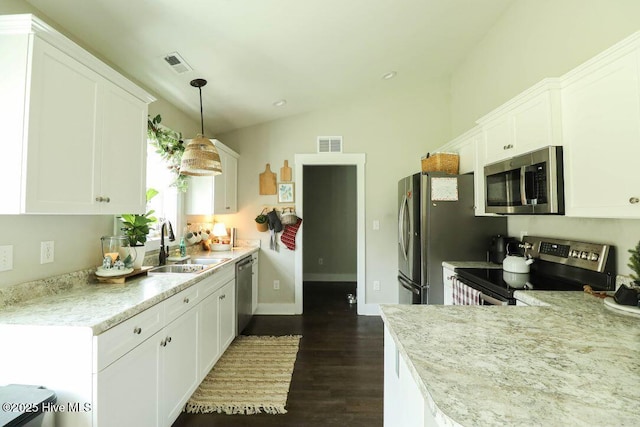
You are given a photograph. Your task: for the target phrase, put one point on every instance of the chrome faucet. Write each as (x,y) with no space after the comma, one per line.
(164,253)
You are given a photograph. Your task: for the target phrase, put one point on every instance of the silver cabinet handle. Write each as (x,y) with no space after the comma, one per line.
(507,147)
(163,343)
(186,300)
(137,330)
(634,200)
(101,199)
(223,296)
(168,339)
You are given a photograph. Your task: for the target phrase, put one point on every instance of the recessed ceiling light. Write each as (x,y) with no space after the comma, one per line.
(280,103)
(389,75)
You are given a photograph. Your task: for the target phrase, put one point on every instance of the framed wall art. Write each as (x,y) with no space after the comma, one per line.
(285,192)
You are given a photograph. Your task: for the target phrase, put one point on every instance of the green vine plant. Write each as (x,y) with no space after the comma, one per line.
(170,146)
(634,263)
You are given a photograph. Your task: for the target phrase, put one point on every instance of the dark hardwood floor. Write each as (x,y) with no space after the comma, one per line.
(338,375)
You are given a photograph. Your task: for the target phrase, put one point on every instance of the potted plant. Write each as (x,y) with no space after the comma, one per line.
(261,222)
(136,228)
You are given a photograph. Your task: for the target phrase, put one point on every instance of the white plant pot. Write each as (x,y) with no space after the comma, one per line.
(137,253)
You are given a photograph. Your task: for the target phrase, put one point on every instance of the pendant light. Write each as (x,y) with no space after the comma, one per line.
(200,157)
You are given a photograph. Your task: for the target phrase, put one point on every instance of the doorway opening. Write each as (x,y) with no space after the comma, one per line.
(357,161)
(330,240)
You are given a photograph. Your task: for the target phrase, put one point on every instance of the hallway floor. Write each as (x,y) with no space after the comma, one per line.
(338,375)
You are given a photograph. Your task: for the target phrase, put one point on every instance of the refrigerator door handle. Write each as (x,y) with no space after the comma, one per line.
(401,229)
(408,286)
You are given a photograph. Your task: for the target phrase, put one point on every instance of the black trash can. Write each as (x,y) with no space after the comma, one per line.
(26,405)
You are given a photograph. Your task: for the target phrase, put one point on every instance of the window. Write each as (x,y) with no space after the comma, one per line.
(165,203)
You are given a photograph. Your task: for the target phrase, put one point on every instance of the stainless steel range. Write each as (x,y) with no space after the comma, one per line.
(559,265)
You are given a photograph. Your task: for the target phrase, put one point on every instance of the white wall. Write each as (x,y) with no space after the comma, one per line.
(535,39)
(394,123)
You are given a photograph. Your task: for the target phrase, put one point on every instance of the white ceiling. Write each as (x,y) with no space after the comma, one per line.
(313,53)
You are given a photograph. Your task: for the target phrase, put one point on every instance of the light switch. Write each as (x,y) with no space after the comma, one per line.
(6,257)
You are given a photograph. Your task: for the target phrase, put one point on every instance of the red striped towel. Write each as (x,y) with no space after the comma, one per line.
(288,237)
(465,295)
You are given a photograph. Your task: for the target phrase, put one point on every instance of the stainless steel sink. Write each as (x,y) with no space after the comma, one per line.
(209,261)
(180,269)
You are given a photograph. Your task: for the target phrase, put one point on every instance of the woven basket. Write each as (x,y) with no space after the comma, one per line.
(441,162)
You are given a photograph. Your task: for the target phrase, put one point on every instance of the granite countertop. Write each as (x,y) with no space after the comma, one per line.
(100,306)
(566,360)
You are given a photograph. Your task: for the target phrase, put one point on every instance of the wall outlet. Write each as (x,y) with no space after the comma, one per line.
(46,252)
(6,257)
(376,285)
(276,285)
(320,261)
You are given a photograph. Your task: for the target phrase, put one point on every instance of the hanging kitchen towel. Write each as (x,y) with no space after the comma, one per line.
(275,226)
(274,221)
(464,295)
(288,237)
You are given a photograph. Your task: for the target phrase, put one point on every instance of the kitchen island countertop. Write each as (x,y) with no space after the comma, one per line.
(565,360)
(100,306)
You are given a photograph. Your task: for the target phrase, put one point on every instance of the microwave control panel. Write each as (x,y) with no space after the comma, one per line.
(590,256)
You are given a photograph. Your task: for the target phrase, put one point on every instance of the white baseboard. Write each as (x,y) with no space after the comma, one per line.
(369,310)
(276,309)
(330,277)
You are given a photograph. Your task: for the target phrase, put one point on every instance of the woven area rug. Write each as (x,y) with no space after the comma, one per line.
(251,377)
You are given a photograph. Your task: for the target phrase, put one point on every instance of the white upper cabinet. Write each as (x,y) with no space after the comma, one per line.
(529,121)
(215,194)
(75,129)
(601,124)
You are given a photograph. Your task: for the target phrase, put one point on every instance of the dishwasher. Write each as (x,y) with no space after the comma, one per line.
(244,298)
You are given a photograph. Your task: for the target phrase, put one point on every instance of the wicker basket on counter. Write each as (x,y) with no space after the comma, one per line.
(441,162)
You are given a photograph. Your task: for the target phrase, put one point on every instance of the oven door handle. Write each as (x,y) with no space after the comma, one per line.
(491,300)
(408,285)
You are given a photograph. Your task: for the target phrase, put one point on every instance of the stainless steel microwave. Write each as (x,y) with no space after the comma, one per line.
(529,184)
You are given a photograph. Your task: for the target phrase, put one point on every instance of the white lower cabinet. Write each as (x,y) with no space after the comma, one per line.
(404,403)
(217,326)
(179,374)
(148,383)
(447,279)
(128,391)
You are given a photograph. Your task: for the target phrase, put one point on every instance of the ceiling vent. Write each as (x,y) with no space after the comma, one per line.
(177,63)
(329,144)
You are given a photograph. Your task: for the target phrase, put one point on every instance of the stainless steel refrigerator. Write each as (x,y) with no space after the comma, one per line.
(436,223)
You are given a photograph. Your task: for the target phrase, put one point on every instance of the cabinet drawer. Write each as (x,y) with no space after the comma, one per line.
(119,340)
(217,280)
(181,302)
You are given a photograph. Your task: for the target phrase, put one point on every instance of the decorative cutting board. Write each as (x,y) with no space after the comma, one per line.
(268,181)
(285,172)
(122,278)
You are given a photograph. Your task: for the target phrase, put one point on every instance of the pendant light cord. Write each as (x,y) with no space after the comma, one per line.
(201,115)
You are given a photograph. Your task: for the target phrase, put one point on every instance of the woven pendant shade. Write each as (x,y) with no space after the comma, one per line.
(200,157)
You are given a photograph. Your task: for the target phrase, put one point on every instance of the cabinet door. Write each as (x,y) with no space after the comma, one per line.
(179,377)
(208,334)
(200,195)
(499,139)
(532,124)
(64,116)
(447,278)
(227,314)
(123,152)
(225,192)
(127,391)
(392,410)
(601,112)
